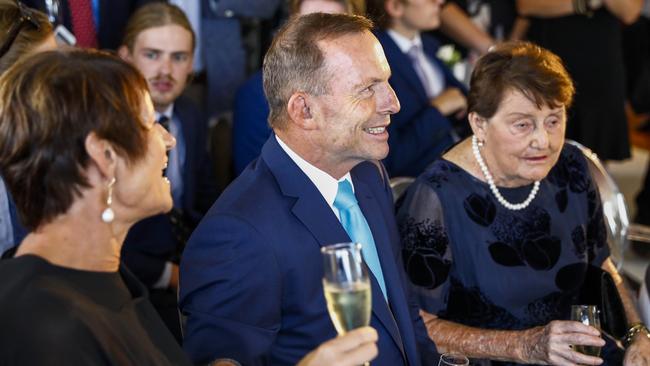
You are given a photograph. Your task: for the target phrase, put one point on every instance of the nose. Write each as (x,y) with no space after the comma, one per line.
(165,65)
(540,138)
(387,100)
(168,138)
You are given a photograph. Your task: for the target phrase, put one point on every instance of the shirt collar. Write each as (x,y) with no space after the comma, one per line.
(167,112)
(404,43)
(325,183)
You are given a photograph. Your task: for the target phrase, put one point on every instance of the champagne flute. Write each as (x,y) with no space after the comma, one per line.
(347,286)
(453,359)
(589,315)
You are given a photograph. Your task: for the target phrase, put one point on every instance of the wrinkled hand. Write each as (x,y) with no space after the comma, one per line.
(352,349)
(450,101)
(638,354)
(551,344)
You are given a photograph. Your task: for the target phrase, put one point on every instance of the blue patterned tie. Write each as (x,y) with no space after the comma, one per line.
(356,226)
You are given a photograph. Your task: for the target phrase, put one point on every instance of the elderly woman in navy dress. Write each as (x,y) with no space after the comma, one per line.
(498,234)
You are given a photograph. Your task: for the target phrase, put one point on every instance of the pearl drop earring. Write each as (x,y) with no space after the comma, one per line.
(108,215)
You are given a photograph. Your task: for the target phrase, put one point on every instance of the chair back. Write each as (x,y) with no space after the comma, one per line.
(399,185)
(614,207)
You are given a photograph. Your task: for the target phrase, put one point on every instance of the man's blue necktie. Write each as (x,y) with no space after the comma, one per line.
(356,226)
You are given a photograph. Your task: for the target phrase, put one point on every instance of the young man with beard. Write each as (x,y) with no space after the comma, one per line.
(160,42)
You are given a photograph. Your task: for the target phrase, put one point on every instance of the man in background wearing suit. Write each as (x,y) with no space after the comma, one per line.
(95,23)
(159,41)
(433,101)
(251,275)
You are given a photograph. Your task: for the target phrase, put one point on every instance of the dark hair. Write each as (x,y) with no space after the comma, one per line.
(534,71)
(294,5)
(376,10)
(28,35)
(295,62)
(154,15)
(48,105)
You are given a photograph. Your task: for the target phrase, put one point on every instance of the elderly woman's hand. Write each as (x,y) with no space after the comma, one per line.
(638,354)
(551,344)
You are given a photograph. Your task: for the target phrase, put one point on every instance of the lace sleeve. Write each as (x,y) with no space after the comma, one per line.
(425,246)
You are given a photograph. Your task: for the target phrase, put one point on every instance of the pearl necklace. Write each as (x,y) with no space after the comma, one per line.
(493,187)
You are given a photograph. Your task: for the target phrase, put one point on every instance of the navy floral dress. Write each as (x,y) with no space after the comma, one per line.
(473,261)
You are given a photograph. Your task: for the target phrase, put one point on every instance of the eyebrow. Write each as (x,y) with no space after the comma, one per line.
(364,84)
(555,112)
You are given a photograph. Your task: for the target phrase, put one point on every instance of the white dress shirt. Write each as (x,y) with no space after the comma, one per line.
(325,183)
(435,76)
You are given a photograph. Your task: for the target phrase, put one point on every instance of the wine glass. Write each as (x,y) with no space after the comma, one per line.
(589,315)
(453,359)
(347,286)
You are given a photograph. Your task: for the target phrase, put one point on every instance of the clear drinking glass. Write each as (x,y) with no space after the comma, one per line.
(453,359)
(347,286)
(589,315)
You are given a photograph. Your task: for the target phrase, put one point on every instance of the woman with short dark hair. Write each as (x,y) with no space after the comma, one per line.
(499,233)
(83,158)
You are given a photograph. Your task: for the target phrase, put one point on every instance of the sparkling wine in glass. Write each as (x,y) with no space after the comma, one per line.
(589,315)
(347,286)
(453,359)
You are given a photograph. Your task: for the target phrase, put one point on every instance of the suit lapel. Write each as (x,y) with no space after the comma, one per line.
(315,214)
(380,308)
(310,206)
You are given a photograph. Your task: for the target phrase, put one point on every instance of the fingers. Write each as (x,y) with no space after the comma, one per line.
(354,339)
(563,334)
(427,317)
(351,349)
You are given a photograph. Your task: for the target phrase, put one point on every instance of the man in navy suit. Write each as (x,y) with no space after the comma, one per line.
(109,17)
(160,42)
(251,275)
(250,128)
(433,101)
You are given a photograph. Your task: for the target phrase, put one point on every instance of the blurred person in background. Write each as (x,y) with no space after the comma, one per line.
(23,32)
(94,23)
(160,43)
(432,100)
(587,36)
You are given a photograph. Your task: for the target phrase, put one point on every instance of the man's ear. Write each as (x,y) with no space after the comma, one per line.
(102,154)
(394,8)
(478,125)
(301,110)
(124,53)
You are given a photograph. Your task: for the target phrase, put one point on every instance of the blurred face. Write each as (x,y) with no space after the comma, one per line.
(522,142)
(141,186)
(164,56)
(416,15)
(353,115)
(321,6)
